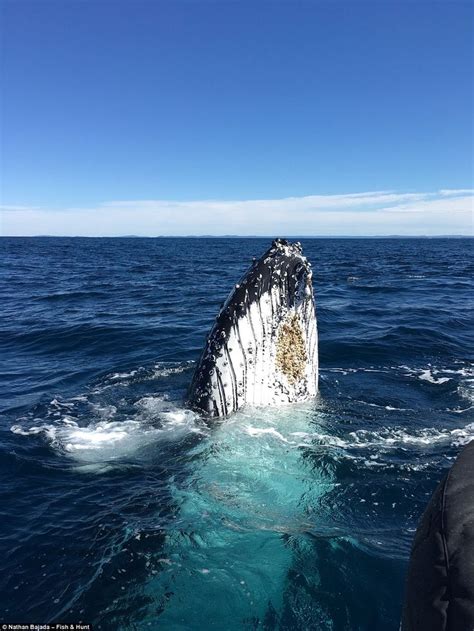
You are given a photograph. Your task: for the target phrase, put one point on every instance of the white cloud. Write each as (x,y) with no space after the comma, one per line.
(462,204)
(12,208)
(456,191)
(369,213)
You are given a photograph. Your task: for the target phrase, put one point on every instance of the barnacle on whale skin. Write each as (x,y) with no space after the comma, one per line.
(291,352)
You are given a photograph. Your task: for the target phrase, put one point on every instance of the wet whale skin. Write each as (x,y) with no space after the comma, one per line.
(263,347)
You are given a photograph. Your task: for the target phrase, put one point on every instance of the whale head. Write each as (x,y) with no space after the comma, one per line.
(263,347)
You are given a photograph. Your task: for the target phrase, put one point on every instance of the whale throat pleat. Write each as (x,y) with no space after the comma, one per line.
(262,349)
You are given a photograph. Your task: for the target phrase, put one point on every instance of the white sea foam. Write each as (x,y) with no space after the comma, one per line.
(105,412)
(109,434)
(141,374)
(264,426)
(437,375)
(92,430)
(112,439)
(109,439)
(390,408)
(460,410)
(122,375)
(160,369)
(382,440)
(261,431)
(466,390)
(394,438)
(152,405)
(466,371)
(432,374)
(61,404)
(164,370)
(427,375)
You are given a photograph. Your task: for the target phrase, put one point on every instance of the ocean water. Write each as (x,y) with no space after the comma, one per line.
(122,508)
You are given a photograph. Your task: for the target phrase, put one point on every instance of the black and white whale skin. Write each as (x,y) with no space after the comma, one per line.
(263,347)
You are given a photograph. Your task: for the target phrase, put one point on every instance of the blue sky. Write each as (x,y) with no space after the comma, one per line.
(237,118)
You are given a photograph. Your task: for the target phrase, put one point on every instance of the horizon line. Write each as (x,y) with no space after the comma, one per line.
(239,236)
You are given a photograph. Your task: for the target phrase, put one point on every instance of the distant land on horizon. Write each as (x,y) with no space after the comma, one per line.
(238,236)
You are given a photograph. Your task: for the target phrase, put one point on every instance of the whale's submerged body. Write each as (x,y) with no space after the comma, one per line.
(263,347)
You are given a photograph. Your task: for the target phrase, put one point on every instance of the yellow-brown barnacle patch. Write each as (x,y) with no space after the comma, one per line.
(291,353)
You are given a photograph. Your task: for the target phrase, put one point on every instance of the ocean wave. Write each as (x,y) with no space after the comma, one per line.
(148,373)
(436,375)
(381,440)
(427,375)
(392,438)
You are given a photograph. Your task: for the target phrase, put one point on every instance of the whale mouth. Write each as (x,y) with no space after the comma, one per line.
(262,349)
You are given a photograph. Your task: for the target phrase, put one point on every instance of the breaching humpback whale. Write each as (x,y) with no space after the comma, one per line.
(263,347)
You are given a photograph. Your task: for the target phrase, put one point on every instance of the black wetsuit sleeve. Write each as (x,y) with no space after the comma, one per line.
(440,582)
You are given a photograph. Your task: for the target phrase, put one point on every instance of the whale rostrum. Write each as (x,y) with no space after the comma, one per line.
(263,347)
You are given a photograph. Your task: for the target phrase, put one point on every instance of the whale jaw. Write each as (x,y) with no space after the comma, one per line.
(263,347)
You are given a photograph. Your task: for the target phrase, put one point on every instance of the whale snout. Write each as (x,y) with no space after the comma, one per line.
(262,349)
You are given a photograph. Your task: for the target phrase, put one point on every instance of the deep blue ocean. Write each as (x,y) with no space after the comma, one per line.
(122,508)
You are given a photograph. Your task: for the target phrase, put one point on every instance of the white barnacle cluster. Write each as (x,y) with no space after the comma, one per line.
(263,348)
